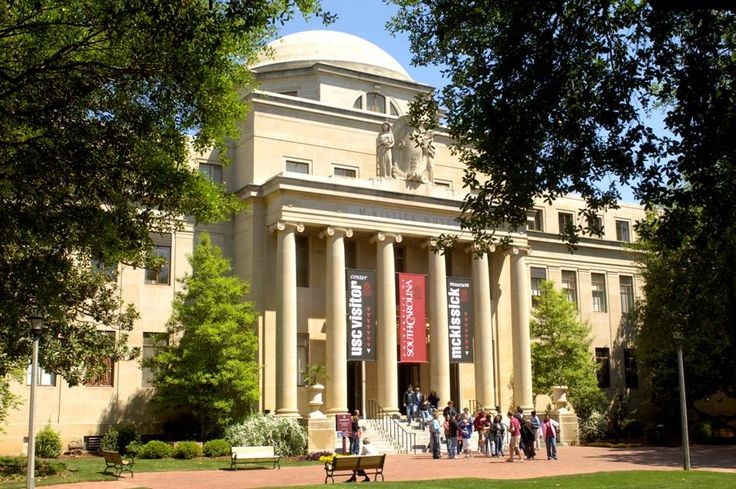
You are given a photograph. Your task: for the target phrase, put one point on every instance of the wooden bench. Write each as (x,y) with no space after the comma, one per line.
(115,461)
(93,443)
(353,463)
(249,455)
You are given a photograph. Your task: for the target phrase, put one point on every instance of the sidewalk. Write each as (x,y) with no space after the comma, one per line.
(572,460)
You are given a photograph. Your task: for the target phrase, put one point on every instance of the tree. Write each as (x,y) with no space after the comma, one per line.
(209,366)
(101,102)
(561,351)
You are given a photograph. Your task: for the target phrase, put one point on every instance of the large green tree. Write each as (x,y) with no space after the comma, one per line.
(100,104)
(561,351)
(209,366)
(545,98)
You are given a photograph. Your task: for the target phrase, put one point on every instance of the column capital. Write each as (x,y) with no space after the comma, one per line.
(520,250)
(283,225)
(478,248)
(331,231)
(381,236)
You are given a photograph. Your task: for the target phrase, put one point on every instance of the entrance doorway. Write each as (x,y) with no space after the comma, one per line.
(355,387)
(408,374)
(455,386)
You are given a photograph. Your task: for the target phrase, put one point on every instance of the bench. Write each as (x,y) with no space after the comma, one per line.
(249,455)
(115,461)
(93,443)
(353,463)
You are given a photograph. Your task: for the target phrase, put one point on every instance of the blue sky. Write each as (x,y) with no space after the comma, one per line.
(367,19)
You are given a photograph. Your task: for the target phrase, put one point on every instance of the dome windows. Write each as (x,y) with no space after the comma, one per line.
(375,102)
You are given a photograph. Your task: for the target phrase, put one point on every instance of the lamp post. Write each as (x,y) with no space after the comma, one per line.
(36,328)
(683,402)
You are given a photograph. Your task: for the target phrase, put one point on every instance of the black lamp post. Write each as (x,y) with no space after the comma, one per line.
(36,329)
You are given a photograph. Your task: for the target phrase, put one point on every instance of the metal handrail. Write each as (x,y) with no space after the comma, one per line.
(391,426)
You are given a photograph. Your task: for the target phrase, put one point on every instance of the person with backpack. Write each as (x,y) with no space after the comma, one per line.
(409,403)
(527,438)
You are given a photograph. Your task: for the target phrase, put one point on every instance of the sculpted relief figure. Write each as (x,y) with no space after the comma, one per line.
(384,147)
(413,158)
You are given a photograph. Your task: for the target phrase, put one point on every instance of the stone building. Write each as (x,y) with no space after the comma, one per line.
(343,196)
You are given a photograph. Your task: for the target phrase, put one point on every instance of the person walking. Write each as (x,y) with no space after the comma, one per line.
(515,433)
(355,433)
(536,423)
(434,400)
(550,427)
(409,403)
(435,430)
(418,400)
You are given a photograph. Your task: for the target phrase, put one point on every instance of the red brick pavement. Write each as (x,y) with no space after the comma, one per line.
(572,460)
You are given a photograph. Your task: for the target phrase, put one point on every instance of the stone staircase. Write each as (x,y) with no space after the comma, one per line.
(384,442)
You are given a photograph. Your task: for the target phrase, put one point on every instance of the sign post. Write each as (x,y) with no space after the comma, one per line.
(343,425)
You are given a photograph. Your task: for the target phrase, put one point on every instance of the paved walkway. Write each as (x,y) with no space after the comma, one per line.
(572,460)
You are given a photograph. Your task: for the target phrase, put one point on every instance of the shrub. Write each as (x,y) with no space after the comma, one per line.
(702,431)
(217,448)
(110,440)
(46,468)
(156,449)
(285,435)
(48,443)
(126,435)
(17,466)
(187,450)
(593,428)
(133,448)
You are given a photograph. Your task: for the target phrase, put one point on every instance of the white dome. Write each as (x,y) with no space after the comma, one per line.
(333,47)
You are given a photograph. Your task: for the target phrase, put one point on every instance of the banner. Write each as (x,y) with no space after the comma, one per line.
(361,312)
(412,319)
(460,319)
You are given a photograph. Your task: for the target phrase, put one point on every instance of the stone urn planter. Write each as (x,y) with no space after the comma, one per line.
(315,401)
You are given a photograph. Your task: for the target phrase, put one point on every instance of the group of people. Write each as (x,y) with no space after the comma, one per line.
(418,406)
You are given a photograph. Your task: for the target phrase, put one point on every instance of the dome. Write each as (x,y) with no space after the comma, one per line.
(336,48)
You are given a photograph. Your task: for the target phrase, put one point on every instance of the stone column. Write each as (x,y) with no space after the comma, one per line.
(439,344)
(286,325)
(520,327)
(336,355)
(485,392)
(386,354)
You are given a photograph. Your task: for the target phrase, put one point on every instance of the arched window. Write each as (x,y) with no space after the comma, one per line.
(358,103)
(393,110)
(375,102)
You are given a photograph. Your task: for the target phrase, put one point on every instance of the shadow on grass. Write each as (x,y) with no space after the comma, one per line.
(701,456)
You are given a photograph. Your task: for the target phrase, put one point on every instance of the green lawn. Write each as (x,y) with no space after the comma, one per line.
(90,468)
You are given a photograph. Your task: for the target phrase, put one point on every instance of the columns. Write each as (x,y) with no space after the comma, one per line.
(336,354)
(439,346)
(520,330)
(485,392)
(386,354)
(286,319)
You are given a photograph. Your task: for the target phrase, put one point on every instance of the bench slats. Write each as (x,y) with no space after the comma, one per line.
(349,464)
(247,455)
(115,461)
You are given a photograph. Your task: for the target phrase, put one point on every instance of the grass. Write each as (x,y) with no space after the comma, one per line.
(90,469)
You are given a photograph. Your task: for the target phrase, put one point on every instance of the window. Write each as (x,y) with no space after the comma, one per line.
(595,225)
(212,172)
(399,259)
(358,104)
(42,377)
(534,220)
(537,275)
(603,362)
(351,254)
(345,171)
(626,286)
(598,286)
(151,343)
(569,286)
(302,356)
(375,102)
(564,220)
(162,251)
(393,110)
(297,167)
(622,231)
(443,183)
(106,379)
(631,369)
(302,261)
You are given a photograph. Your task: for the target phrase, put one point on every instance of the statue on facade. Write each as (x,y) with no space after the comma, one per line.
(384,148)
(413,158)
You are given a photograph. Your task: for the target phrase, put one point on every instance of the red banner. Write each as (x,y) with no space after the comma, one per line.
(412,319)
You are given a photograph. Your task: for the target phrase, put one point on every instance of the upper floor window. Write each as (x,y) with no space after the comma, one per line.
(622,231)
(345,171)
(534,220)
(297,167)
(570,285)
(162,250)
(626,286)
(375,102)
(595,226)
(302,260)
(105,379)
(151,343)
(603,362)
(42,377)
(443,183)
(212,172)
(537,276)
(565,220)
(598,286)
